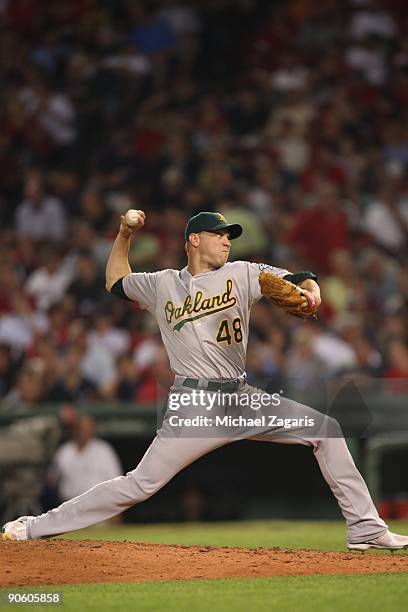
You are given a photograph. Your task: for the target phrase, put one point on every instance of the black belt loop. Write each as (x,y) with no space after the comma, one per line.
(191,382)
(229,386)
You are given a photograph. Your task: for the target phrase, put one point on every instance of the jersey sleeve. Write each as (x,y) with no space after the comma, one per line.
(141,287)
(254,271)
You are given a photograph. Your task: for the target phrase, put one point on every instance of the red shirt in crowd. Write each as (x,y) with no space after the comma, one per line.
(317,233)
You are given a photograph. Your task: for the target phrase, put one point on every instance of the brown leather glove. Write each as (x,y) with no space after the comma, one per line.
(287,295)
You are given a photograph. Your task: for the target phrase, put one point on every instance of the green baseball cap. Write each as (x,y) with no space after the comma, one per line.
(211,222)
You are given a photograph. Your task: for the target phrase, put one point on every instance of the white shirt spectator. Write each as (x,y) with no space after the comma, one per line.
(98,365)
(43,222)
(366,23)
(134,63)
(370,62)
(18,331)
(81,469)
(293,153)
(145,353)
(334,352)
(56,114)
(289,79)
(382,225)
(46,287)
(58,119)
(117,341)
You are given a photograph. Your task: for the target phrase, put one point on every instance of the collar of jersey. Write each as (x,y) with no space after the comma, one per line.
(185,275)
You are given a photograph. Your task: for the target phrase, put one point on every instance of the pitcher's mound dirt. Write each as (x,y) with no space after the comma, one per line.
(65,561)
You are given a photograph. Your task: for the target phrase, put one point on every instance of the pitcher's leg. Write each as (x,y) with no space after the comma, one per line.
(336,464)
(348,486)
(163,459)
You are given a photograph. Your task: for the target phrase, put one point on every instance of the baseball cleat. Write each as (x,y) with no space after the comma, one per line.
(16,530)
(389,541)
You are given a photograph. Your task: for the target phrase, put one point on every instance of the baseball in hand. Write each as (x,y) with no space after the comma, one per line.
(133,218)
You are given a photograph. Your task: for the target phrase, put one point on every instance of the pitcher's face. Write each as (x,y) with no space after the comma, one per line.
(214,247)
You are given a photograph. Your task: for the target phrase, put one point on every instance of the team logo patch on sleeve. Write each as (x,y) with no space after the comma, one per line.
(266,268)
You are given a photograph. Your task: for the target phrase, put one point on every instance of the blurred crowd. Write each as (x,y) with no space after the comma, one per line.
(288,117)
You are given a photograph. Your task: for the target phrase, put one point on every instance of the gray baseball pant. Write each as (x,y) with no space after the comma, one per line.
(174,449)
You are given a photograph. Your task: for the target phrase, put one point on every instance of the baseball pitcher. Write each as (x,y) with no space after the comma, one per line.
(203,314)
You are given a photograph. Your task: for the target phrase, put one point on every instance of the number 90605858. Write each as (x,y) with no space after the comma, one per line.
(31,597)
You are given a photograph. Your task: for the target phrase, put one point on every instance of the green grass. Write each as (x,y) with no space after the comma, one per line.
(385,592)
(306,593)
(320,535)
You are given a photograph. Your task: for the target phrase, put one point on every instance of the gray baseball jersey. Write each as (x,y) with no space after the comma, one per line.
(203,319)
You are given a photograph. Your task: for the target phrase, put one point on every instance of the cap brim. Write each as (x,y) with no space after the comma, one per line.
(234,229)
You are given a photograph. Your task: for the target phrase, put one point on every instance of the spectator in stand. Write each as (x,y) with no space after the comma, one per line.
(372,18)
(47,284)
(261,188)
(40,216)
(105,335)
(292,149)
(45,351)
(22,324)
(394,327)
(87,287)
(397,356)
(128,380)
(368,59)
(290,76)
(72,385)
(320,230)
(185,24)
(338,285)
(304,368)
(328,347)
(368,358)
(156,380)
(97,363)
(58,316)
(94,210)
(386,220)
(247,117)
(381,280)
(154,37)
(53,111)
(29,390)
(84,461)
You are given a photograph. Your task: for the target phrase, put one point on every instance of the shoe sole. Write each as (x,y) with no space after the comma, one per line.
(363,547)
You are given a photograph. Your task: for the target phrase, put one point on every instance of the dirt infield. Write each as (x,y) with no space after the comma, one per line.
(65,561)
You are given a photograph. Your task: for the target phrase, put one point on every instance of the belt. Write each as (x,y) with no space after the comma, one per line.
(229,386)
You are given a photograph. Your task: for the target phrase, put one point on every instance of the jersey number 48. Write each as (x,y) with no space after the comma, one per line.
(224,334)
